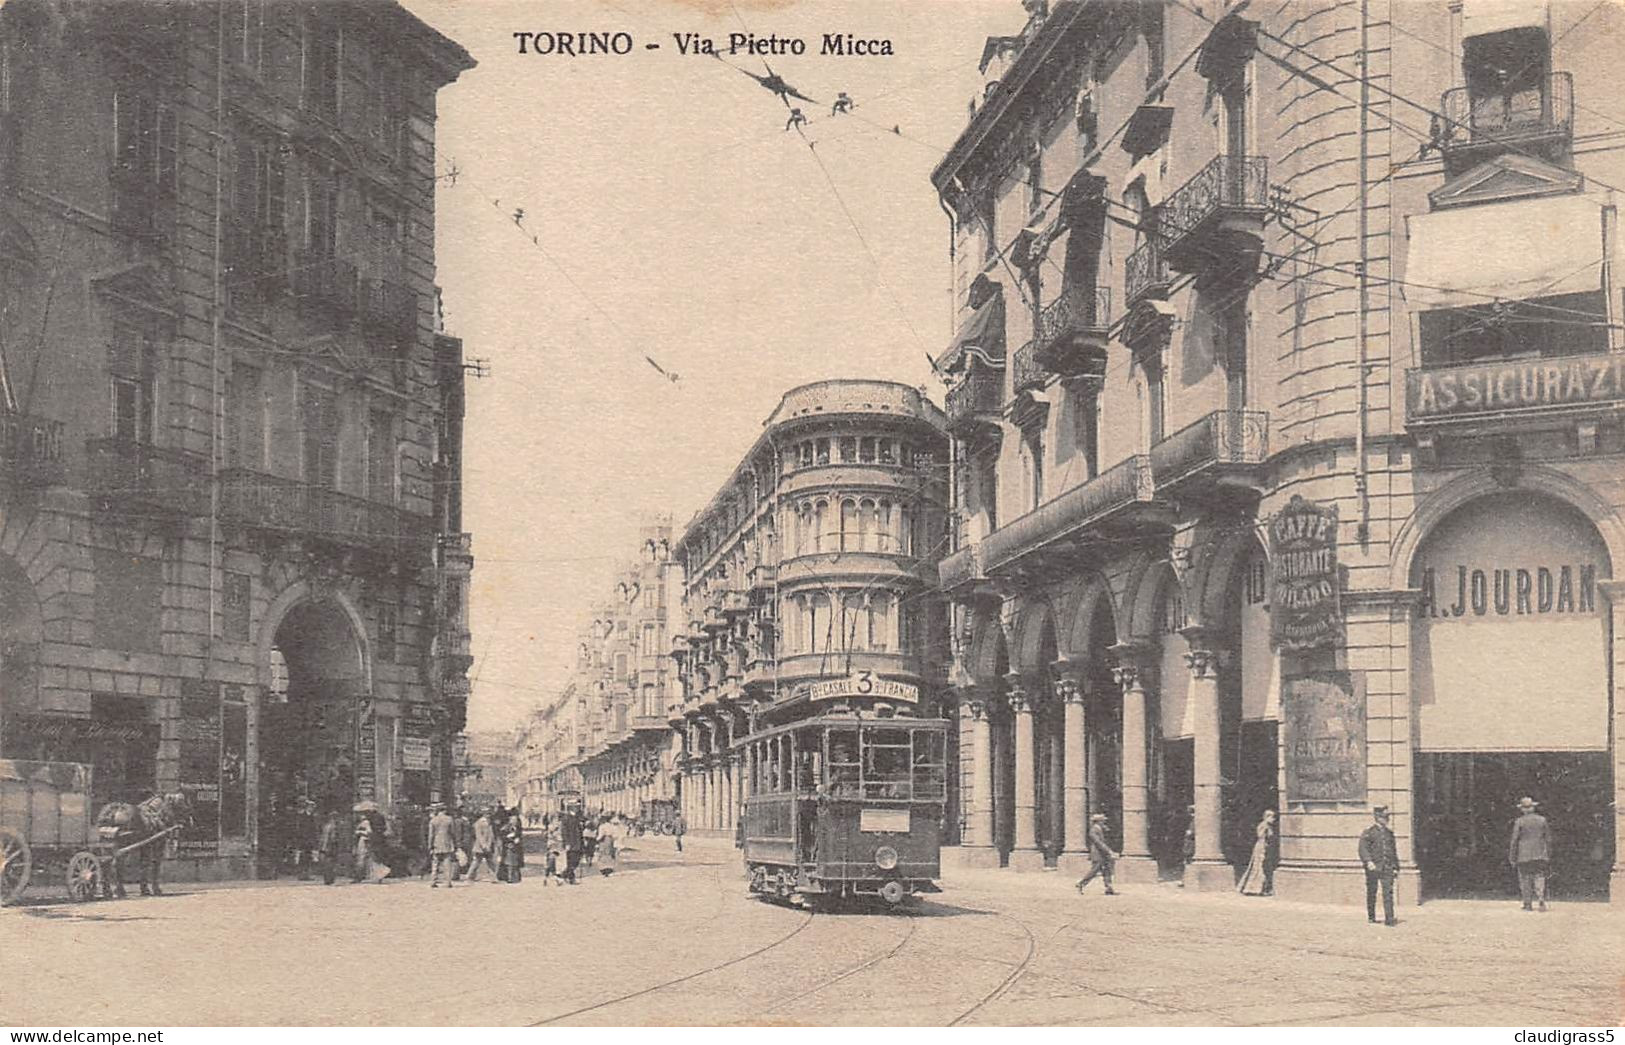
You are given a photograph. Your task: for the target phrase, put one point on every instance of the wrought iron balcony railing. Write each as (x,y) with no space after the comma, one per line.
(256,500)
(145,480)
(1508,118)
(1025,373)
(975,400)
(1227,190)
(1070,338)
(30,450)
(1089,504)
(1146,274)
(1207,446)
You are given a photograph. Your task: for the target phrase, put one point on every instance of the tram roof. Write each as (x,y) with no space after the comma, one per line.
(845,718)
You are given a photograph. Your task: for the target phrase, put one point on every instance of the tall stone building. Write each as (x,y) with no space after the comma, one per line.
(809,579)
(1284,403)
(232,560)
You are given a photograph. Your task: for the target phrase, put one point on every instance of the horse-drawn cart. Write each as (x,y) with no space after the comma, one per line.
(48,831)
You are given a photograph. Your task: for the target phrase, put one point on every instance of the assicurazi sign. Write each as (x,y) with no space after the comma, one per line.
(1450,393)
(864,684)
(1305,585)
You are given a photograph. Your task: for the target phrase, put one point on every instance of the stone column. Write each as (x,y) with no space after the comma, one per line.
(1025,854)
(1137,864)
(1614,590)
(1071,694)
(1208,869)
(979,826)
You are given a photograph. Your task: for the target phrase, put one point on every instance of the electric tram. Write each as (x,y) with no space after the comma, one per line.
(844,805)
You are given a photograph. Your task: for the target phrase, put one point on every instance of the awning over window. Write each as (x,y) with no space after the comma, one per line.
(1532,248)
(981,335)
(1482,17)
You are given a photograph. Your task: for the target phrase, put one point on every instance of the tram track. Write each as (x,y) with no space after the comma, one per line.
(1009,980)
(806,920)
(887,955)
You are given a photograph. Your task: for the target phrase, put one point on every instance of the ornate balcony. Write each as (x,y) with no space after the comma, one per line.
(961,573)
(1225,449)
(1098,505)
(735,602)
(1476,124)
(266,502)
(973,404)
(30,451)
(145,481)
(1026,373)
(649,724)
(1146,275)
(325,285)
(1071,336)
(763,577)
(1216,218)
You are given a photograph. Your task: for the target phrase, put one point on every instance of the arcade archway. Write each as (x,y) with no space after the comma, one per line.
(310,730)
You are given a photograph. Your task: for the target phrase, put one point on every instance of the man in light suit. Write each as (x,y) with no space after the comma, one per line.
(1101,856)
(1530,853)
(442,845)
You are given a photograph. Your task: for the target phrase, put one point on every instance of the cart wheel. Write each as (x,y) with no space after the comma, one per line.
(84,876)
(16,865)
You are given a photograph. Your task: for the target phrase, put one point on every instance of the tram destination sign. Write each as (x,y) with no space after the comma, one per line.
(864,684)
(1305,610)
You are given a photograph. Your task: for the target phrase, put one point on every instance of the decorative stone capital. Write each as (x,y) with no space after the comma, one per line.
(1020,702)
(1127,675)
(1203,662)
(1069,691)
(977,709)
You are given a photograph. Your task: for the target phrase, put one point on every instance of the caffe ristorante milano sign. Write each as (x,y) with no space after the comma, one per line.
(1305,610)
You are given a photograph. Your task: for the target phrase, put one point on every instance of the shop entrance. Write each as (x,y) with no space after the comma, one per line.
(1467,801)
(309,721)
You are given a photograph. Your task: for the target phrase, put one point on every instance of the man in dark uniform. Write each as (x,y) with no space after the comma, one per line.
(1379,854)
(570,838)
(1531,853)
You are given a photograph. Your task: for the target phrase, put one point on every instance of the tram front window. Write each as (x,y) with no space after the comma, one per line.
(886,763)
(843,762)
(930,764)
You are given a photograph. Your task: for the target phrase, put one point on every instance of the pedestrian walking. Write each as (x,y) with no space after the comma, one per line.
(1101,855)
(442,845)
(1259,878)
(570,838)
(610,833)
(1380,857)
(362,868)
(462,825)
(589,840)
(513,847)
(554,844)
(483,847)
(1530,853)
(305,830)
(328,845)
(679,828)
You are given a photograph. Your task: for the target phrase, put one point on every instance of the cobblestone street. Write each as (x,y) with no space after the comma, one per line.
(676,940)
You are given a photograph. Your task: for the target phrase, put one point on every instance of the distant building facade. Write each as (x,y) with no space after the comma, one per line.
(809,576)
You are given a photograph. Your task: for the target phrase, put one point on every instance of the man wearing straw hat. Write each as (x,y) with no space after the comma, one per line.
(1531,853)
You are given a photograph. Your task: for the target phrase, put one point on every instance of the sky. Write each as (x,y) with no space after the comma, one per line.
(674,218)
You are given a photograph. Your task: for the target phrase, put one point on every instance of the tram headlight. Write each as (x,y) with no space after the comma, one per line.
(886,858)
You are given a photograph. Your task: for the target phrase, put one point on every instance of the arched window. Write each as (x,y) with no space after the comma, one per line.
(830,528)
(849,525)
(798,625)
(905,530)
(866,524)
(883,525)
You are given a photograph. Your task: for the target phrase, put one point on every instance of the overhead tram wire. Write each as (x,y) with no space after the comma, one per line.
(517,221)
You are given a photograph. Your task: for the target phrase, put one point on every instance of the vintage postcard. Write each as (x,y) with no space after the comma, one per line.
(811,513)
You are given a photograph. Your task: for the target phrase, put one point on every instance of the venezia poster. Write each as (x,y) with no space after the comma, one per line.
(1323,714)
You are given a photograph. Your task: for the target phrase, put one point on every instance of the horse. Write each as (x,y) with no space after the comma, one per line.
(124,824)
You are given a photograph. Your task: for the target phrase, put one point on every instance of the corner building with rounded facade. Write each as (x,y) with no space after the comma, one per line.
(815,563)
(1206,293)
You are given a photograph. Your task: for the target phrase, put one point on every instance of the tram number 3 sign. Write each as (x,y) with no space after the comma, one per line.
(863,684)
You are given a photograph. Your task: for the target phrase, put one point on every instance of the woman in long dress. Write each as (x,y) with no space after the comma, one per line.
(609,836)
(1257,879)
